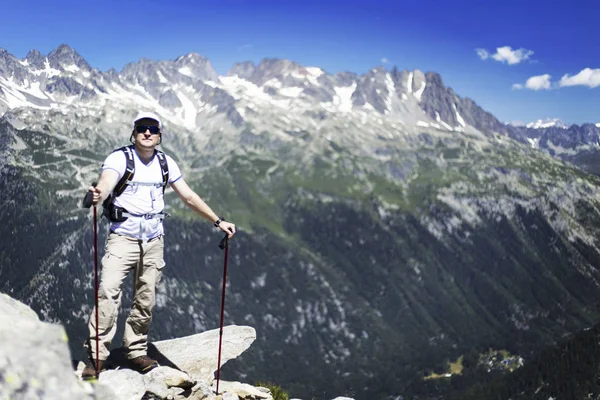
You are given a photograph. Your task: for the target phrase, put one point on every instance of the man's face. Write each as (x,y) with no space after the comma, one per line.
(146,139)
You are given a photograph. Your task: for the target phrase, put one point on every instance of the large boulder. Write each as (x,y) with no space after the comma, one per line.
(35,362)
(198,354)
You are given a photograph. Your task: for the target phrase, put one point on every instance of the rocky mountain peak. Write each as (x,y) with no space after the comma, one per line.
(372,90)
(377,71)
(244,70)
(65,56)
(288,72)
(191,58)
(346,78)
(35,59)
(440,102)
(10,66)
(196,66)
(434,79)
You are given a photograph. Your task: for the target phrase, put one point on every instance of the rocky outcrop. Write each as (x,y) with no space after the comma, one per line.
(35,364)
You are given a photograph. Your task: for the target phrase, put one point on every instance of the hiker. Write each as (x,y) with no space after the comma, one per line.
(131,187)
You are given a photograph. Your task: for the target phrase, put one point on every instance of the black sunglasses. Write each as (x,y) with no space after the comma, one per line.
(154,130)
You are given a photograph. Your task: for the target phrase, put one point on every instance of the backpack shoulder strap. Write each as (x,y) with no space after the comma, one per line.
(164,166)
(129,170)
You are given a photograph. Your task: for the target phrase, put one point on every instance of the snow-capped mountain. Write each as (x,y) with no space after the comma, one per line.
(186,91)
(189,95)
(547,123)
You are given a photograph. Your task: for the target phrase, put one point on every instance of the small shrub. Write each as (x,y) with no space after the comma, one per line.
(276,391)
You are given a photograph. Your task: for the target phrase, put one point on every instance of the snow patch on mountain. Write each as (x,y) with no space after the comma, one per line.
(291,91)
(459,118)
(535,142)
(314,71)
(391,89)
(71,68)
(343,98)
(420,91)
(48,70)
(186,71)
(444,124)
(15,95)
(273,82)
(189,111)
(161,77)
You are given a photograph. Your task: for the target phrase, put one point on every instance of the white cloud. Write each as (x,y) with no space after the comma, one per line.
(482,53)
(538,82)
(517,86)
(510,56)
(586,77)
(506,54)
(385,60)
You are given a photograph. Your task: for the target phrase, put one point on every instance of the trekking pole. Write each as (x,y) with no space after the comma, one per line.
(87,203)
(223,245)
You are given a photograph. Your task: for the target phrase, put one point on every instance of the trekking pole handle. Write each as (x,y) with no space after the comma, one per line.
(89,198)
(224,242)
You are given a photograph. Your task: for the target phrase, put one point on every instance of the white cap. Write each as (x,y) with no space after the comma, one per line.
(148,115)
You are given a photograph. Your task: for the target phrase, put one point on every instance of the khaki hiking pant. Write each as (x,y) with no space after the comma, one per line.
(123,255)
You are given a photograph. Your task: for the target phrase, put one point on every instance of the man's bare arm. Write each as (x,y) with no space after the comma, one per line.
(193,201)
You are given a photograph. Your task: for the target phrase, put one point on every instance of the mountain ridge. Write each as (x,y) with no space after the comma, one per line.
(187,91)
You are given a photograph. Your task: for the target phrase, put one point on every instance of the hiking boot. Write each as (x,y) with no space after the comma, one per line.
(143,364)
(89,371)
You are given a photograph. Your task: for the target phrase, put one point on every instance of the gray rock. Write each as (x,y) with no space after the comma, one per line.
(125,383)
(243,391)
(102,391)
(64,85)
(198,354)
(161,380)
(12,308)
(169,99)
(201,391)
(34,357)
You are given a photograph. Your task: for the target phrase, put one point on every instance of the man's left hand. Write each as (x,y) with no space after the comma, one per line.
(228,228)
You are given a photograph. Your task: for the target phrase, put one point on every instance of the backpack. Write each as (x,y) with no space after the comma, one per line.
(115,213)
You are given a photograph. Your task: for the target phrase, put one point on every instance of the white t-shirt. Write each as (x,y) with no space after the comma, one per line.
(144,195)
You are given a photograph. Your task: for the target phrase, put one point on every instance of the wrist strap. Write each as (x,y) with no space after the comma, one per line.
(218,221)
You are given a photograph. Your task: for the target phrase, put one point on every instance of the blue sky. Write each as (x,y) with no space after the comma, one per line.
(551,43)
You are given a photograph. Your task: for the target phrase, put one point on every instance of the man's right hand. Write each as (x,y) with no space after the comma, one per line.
(97,194)
(99,190)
